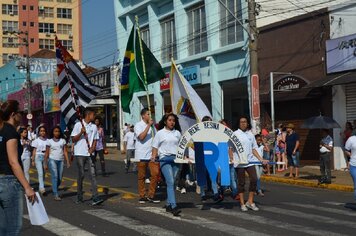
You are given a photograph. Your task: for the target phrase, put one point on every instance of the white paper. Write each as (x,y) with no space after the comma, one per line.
(37,212)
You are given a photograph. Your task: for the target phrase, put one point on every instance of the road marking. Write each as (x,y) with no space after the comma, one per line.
(320,208)
(334,203)
(274,223)
(313,217)
(206,223)
(62,228)
(130,223)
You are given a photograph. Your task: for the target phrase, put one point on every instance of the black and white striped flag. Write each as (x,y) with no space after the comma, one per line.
(75,90)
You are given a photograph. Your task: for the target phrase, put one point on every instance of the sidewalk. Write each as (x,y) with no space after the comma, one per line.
(341,180)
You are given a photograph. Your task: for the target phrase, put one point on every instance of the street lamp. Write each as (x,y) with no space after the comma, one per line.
(28,75)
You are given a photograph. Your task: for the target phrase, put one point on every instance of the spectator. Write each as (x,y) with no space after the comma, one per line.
(129,148)
(100,146)
(347,132)
(326,145)
(292,149)
(281,147)
(350,150)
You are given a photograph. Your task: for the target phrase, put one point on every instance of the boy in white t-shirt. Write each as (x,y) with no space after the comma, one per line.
(84,136)
(129,147)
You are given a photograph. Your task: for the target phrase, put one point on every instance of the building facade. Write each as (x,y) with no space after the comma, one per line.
(39,21)
(207,43)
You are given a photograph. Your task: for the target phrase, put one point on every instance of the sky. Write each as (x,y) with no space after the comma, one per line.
(99,34)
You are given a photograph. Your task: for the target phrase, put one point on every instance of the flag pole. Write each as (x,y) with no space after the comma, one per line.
(143,64)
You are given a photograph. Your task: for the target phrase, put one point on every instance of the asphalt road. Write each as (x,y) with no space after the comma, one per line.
(284,210)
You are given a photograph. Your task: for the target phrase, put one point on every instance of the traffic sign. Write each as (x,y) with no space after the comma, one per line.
(29,116)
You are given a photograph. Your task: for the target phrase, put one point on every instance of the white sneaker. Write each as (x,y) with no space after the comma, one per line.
(190,183)
(147,181)
(252,206)
(197,189)
(183,191)
(244,208)
(178,188)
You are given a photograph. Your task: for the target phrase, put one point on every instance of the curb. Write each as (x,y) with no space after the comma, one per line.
(338,187)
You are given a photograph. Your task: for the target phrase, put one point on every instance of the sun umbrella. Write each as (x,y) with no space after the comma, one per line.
(320,122)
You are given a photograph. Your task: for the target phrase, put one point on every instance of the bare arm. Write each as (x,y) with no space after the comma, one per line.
(46,158)
(154,154)
(92,148)
(256,154)
(11,147)
(65,153)
(77,137)
(296,146)
(143,135)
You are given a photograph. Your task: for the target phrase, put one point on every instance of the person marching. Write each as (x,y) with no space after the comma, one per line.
(129,148)
(164,146)
(84,136)
(249,144)
(56,151)
(39,149)
(143,152)
(26,153)
(100,145)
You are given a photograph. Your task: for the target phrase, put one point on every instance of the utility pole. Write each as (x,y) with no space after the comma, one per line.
(253,46)
(28,78)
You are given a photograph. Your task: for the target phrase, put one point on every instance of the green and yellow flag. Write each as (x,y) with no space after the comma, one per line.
(132,78)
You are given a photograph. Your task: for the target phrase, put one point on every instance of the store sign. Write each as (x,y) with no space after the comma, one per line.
(102,80)
(341,54)
(289,82)
(39,65)
(192,74)
(164,83)
(255,93)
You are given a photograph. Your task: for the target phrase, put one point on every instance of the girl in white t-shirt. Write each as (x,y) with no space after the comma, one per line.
(164,146)
(56,152)
(39,149)
(26,153)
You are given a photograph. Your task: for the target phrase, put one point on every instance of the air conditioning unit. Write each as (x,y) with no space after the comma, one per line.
(11,13)
(41,8)
(70,35)
(48,34)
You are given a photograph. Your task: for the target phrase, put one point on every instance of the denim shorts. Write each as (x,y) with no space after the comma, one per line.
(293,160)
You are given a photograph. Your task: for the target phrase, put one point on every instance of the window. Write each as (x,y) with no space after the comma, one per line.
(8,9)
(32,40)
(197,35)
(145,35)
(66,1)
(68,44)
(10,42)
(32,24)
(31,8)
(230,30)
(10,25)
(47,44)
(64,13)
(45,27)
(168,47)
(24,7)
(24,23)
(45,0)
(64,29)
(46,12)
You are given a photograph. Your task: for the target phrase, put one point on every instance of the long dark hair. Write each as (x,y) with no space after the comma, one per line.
(20,132)
(60,132)
(162,122)
(9,107)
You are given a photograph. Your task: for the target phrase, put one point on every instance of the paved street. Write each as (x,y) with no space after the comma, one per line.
(284,210)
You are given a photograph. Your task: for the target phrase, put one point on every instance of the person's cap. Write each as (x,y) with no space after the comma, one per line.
(290,125)
(132,126)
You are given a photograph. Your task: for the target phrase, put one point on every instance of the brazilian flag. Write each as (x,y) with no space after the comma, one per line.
(132,78)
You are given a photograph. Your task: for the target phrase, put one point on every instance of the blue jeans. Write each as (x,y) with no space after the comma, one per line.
(11,205)
(39,159)
(170,171)
(56,169)
(259,170)
(233,180)
(353,175)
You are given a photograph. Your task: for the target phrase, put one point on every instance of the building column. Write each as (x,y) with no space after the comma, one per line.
(216,91)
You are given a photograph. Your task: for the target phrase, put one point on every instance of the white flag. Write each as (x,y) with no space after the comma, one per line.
(186,103)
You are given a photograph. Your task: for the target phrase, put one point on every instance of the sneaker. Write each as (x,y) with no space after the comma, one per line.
(260,193)
(147,181)
(197,189)
(244,208)
(43,192)
(153,200)
(97,201)
(178,188)
(175,211)
(57,198)
(143,200)
(183,191)
(168,208)
(204,198)
(252,206)
(188,182)
(218,198)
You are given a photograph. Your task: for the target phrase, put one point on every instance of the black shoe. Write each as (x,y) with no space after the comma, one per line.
(79,200)
(218,198)
(175,211)
(105,174)
(97,201)
(153,200)
(143,200)
(168,208)
(204,198)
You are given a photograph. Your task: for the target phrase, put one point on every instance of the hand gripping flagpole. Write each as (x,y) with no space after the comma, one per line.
(73,92)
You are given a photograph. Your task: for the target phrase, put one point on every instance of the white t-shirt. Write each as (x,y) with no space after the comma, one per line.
(351,146)
(130,139)
(40,145)
(26,152)
(81,147)
(166,141)
(249,143)
(56,149)
(143,148)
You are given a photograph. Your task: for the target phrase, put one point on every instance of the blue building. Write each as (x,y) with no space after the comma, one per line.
(209,46)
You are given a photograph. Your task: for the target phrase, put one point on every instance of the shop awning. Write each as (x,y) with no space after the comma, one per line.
(334,79)
(297,94)
(99,102)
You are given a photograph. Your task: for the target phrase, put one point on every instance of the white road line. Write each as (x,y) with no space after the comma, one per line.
(334,203)
(274,223)
(320,208)
(62,228)
(130,223)
(206,223)
(312,217)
